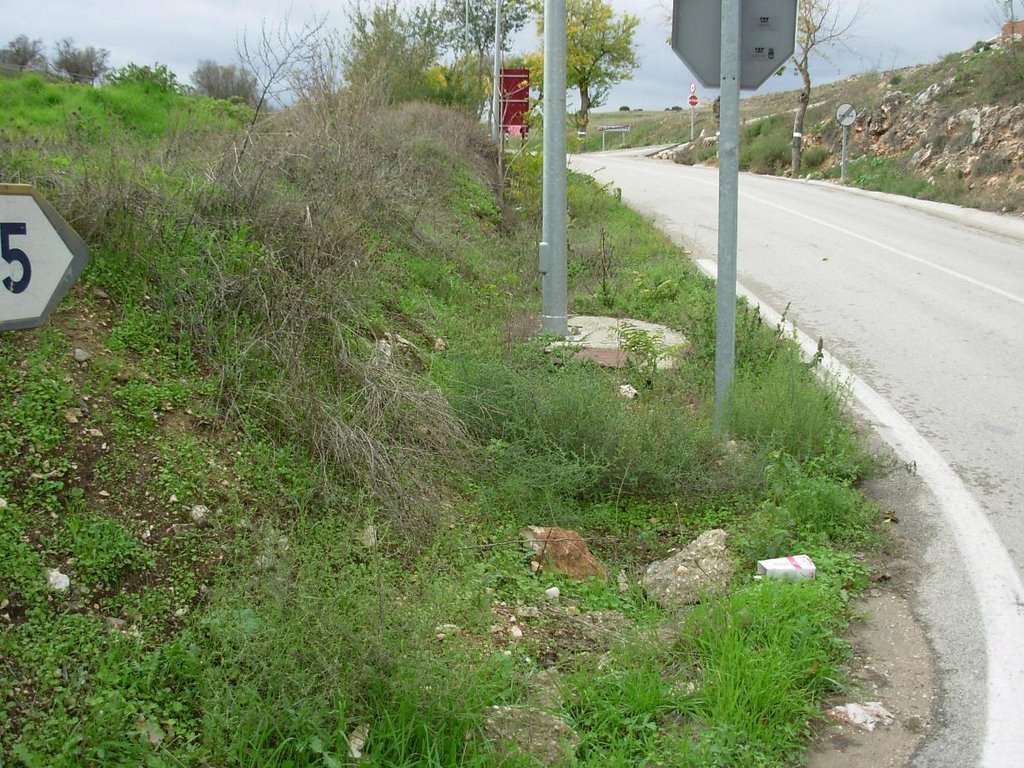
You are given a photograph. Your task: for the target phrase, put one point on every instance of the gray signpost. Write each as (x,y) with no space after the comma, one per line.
(41,256)
(731,44)
(846,115)
(553,246)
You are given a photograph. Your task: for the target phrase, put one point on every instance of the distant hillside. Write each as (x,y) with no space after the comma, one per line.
(951,131)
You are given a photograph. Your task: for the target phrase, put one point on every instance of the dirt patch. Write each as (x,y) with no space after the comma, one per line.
(891,664)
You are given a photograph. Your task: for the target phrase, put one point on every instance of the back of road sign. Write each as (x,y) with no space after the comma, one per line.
(768,31)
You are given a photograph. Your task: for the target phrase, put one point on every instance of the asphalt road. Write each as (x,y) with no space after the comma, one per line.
(924,304)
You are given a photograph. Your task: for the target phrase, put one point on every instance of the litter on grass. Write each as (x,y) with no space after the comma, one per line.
(792,567)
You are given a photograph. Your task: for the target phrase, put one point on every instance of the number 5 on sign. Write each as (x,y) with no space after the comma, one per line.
(41,256)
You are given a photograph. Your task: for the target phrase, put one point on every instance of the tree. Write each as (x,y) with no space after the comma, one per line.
(819,26)
(22,52)
(83,65)
(600,52)
(225,81)
(388,53)
(469,27)
(155,79)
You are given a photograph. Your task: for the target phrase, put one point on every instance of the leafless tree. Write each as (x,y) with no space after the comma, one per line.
(820,25)
(84,65)
(225,81)
(277,56)
(23,52)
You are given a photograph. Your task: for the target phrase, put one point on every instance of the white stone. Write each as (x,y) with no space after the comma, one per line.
(357,741)
(58,581)
(200,514)
(552,593)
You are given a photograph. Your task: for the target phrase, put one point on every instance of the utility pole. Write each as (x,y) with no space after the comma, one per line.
(496,79)
(554,286)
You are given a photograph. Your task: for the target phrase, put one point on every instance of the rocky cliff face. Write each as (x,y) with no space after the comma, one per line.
(975,141)
(967,124)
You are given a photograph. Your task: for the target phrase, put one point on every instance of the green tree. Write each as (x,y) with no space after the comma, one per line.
(23,52)
(389,53)
(820,25)
(600,52)
(155,79)
(469,27)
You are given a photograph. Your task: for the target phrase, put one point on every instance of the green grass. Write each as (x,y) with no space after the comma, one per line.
(239,363)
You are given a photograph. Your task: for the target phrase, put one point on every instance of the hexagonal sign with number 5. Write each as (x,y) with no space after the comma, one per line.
(41,256)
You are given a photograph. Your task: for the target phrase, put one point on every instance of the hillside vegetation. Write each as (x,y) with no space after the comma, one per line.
(284,433)
(951,131)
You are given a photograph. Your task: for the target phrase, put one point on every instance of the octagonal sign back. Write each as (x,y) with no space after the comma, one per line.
(767,36)
(41,256)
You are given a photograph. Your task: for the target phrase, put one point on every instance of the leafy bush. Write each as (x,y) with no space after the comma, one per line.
(155,79)
(765,145)
(813,158)
(786,408)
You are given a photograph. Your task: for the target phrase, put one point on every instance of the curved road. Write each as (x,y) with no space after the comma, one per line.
(924,304)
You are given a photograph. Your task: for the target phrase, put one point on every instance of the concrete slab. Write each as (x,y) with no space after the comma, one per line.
(601,339)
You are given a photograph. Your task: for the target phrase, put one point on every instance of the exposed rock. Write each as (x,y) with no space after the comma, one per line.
(972,117)
(628,391)
(928,95)
(552,593)
(81,356)
(702,568)
(518,731)
(182,529)
(368,536)
(562,551)
(200,515)
(544,690)
(357,741)
(58,581)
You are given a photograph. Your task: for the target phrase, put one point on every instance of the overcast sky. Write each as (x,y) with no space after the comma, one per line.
(178,33)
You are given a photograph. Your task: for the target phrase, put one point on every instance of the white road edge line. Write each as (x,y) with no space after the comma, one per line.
(996,583)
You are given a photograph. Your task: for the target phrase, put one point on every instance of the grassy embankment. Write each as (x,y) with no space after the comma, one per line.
(362,494)
(977,78)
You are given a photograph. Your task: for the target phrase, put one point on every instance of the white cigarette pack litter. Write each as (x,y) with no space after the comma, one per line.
(792,567)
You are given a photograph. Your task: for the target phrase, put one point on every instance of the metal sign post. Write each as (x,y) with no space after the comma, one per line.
(554,285)
(740,47)
(693,108)
(846,115)
(41,256)
(728,204)
(496,79)
(604,130)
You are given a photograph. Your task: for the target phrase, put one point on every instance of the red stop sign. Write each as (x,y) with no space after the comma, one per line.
(693,99)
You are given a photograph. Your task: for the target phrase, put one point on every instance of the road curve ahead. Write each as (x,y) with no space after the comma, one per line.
(924,304)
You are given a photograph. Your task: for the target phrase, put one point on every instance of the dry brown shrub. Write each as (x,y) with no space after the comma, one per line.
(307,201)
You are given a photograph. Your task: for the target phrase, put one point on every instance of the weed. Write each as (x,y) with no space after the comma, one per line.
(99,549)
(767,655)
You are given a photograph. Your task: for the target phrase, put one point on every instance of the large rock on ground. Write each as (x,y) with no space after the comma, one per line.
(704,567)
(558,550)
(521,731)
